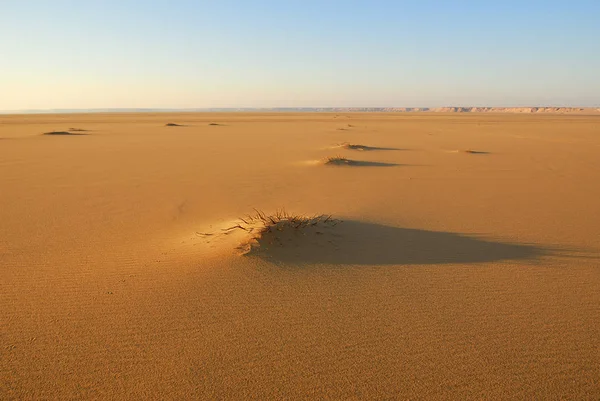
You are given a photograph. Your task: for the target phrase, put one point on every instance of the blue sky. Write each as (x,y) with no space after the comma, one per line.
(180,54)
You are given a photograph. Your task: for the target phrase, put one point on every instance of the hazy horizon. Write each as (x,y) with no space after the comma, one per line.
(260,109)
(272,54)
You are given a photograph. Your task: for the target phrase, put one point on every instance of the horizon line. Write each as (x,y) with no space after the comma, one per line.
(284,108)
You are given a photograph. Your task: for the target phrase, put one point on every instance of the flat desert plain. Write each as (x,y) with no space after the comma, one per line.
(461,259)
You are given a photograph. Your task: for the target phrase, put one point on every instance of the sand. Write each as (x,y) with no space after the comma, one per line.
(453,274)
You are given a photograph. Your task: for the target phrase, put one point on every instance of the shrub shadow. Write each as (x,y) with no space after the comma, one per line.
(359,243)
(358,163)
(63,133)
(476,152)
(366,148)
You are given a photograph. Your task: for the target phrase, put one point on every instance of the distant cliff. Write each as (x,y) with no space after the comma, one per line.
(527,110)
(524,110)
(514,110)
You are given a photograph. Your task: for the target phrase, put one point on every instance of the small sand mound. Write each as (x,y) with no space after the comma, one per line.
(352,146)
(77,130)
(475,152)
(339,161)
(58,133)
(215,124)
(342,161)
(321,239)
(173,125)
(263,232)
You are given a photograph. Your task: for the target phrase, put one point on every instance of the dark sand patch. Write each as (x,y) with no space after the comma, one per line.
(174,125)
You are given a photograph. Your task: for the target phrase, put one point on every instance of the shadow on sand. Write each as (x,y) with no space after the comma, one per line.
(63,133)
(366,148)
(476,152)
(343,162)
(359,243)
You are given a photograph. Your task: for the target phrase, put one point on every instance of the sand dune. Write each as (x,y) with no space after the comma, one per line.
(454,276)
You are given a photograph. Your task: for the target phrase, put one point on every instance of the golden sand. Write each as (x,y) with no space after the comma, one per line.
(467,268)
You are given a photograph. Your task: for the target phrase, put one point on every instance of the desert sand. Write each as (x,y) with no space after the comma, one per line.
(464,262)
